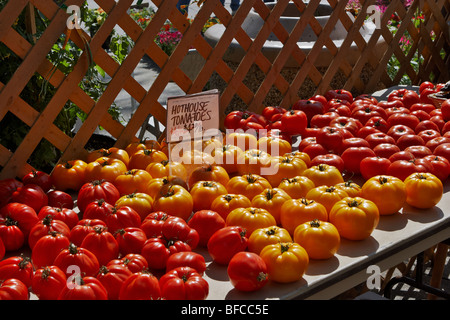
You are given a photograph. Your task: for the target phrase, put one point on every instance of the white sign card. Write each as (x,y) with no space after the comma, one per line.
(194,115)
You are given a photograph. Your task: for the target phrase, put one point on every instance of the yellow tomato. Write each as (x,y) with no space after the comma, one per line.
(114,153)
(167,168)
(387,192)
(297,211)
(297,187)
(250,218)
(142,158)
(253,161)
(286,261)
(284,167)
(205,192)
(353,189)
(245,141)
(209,172)
(302,155)
(248,185)
(320,239)
(226,203)
(423,190)
(355,218)
(227,156)
(264,236)
(105,169)
(324,174)
(175,201)
(142,203)
(274,146)
(326,195)
(271,200)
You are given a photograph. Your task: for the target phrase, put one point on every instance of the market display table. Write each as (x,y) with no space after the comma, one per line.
(396,238)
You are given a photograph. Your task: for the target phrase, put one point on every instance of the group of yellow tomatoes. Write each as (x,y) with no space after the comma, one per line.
(300,212)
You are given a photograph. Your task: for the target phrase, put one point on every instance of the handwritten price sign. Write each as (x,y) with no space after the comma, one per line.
(192,116)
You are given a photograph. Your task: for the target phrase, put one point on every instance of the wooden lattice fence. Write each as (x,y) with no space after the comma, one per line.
(429,49)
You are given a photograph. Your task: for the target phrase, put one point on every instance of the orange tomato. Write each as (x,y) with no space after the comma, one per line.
(271,199)
(423,190)
(284,167)
(264,236)
(142,158)
(205,192)
(227,156)
(303,156)
(253,161)
(226,203)
(248,185)
(298,211)
(250,218)
(296,187)
(114,153)
(245,141)
(69,175)
(324,174)
(326,195)
(209,173)
(355,218)
(104,169)
(133,147)
(387,192)
(353,189)
(320,239)
(274,146)
(134,180)
(286,261)
(167,168)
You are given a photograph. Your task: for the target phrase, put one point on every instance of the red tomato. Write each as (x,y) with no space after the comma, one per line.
(366,130)
(98,210)
(399,130)
(11,236)
(374,166)
(83,228)
(391,104)
(351,124)
(2,249)
(406,96)
(427,135)
(425,93)
(130,240)
(85,288)
(122,217)
(403,168)
(309,107)
(364,112)
(47,248)
(378,123)
(96,190)
(68,216)
(445,109)
(375,139)
(101,243)
(183,283)
(206,222)
(7,188)
(60,199)
(424,85)
(385,150)
(353,142)
(269,112)
(17,267)
(13,289)
(441,166)
(353,156)
(406,119)
(435,142)
(322,120)
(426,125)
(330,138)
(39,178)
(186,259)
(140,286)
(73,255)
(112,278)
(48,282)
(44,226)
(339,94)
(157,250)
(330,159)
(419,151)
(19,214)
(427,107)
(407,140)
(439,120)
(247,271)
(443,150)
(421,115)
(294,122)
(31,195)
(135,262)
(153,223)
(226,242)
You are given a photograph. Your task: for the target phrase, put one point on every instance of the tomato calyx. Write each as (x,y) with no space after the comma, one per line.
(269,194)
(353,203)
(306,202)
(322,167)
(315,223)
(148,152)
(251,178)
(24,263)
(284,247)
(11,222)
(330,189)
(73,249)
(383,180)
(228,198)
(271,231)
(262,276)
(45,273)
